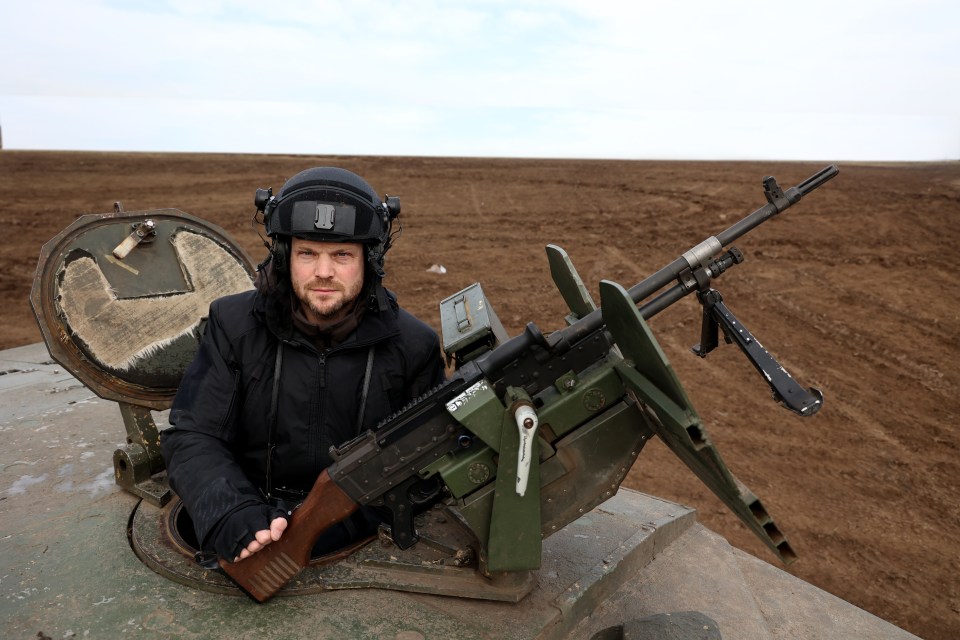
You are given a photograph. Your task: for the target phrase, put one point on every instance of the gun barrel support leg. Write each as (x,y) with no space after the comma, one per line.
(786,390)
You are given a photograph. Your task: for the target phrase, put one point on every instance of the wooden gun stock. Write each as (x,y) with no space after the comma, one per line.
(265,572)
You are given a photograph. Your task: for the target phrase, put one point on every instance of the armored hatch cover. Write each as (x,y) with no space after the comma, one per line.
(121,299)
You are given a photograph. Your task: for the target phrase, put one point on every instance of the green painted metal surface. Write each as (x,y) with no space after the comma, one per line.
(514,541)
(463,472)
(649,374)
(590,392)
(569,283)
(481,412)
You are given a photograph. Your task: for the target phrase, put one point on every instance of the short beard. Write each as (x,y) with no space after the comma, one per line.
(332,313)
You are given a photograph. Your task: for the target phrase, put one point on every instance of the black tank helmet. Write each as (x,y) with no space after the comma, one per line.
(333,205)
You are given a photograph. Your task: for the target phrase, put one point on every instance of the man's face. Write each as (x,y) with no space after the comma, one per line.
(326,276)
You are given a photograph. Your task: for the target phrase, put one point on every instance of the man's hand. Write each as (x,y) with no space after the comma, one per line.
(263,538)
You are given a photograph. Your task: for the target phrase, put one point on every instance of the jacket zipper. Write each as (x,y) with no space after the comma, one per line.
(323,369)
(322,362)
(321,397)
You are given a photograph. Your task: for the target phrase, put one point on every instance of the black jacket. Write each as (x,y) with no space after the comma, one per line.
(216,452)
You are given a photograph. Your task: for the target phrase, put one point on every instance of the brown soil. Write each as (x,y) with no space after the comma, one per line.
(855,289)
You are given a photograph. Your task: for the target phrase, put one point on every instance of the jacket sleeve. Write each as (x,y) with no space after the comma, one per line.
(200,465)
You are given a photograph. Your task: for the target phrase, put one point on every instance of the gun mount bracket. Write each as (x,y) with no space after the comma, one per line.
(701,253)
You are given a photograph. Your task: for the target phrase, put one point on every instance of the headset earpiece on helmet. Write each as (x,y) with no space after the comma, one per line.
(279,245)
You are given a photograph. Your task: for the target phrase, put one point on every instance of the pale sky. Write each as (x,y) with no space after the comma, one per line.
(737,79)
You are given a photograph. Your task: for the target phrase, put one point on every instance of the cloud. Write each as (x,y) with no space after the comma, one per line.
(527,78)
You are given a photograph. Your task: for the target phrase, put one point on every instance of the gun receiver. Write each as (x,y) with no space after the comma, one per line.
(601,385)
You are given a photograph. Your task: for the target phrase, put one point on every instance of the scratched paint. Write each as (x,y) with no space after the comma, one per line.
(23,483)
(462,399)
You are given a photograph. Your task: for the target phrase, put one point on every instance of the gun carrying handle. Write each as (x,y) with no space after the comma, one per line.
(265,572)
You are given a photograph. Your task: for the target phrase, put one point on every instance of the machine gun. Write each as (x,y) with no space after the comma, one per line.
(530,433)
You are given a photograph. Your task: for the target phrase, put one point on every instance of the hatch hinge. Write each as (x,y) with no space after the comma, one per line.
(138,465)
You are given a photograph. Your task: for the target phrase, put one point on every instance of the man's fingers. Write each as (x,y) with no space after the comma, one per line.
(277,527)
(250,549)
(263,537)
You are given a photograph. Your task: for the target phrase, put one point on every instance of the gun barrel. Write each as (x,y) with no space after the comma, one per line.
(764,213)
(648,286)
(818,179)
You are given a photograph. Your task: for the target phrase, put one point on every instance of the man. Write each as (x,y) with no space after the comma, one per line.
(319,352)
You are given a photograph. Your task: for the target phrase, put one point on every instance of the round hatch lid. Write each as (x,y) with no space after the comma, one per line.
(121,298)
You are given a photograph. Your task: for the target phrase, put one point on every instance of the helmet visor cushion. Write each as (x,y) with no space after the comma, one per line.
(310,217)
(326,215)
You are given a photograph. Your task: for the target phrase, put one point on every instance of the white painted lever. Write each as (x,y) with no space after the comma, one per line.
(527,424)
